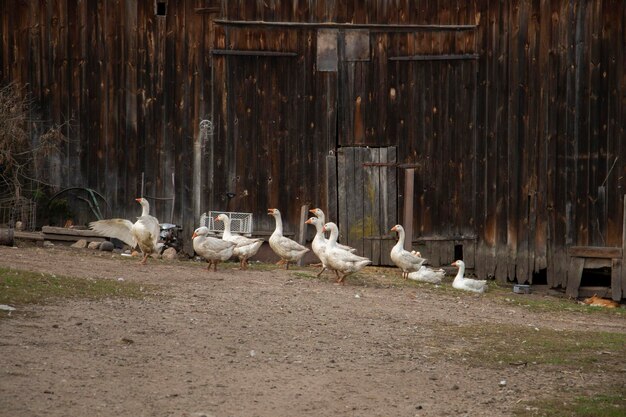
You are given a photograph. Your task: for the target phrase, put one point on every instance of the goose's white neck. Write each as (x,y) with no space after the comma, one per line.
(460,273)
(400,243)
(145,207)
(332,240)
(226,221)
(319,229)
(279,224)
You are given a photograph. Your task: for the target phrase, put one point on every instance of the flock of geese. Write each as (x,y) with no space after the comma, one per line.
(334,256)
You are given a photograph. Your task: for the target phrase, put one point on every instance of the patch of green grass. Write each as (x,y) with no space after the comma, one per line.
(553,304)
(19,287)
(504,345)
(596,405)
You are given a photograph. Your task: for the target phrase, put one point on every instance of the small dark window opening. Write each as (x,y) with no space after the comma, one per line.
(540,277)
(596,277)
(458,252)
(161,8)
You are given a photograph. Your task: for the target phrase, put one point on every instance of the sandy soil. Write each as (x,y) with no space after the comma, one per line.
(258,343)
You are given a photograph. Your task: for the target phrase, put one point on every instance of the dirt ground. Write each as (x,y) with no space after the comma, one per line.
(262,342)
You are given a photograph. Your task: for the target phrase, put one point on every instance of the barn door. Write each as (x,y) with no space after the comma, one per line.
(367,189)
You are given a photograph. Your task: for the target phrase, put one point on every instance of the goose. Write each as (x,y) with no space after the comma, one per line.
(320,215)
(405,260)
(288,250)
(319,243)
(212,249)
(341,260)
(144,232)
(426,274)
(467,284)
(245,247)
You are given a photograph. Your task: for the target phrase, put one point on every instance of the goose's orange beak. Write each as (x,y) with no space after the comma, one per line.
(194,235)
(270,211)
(308,221)
(393,229)
(138,200)
(313,210)
(216,218)
(453,263)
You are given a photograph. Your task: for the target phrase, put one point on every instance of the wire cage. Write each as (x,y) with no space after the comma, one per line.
(240,223)
(18,213)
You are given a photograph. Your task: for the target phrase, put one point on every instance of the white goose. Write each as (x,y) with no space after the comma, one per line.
(245,247)
(467,284)
(144,232)
(212,249)
(405,260)
(320,215)
(426,274)
(341,260)
(319,243)
(288,250)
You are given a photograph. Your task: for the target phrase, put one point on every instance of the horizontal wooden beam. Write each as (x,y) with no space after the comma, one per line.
(438,57)
(242,52)
(334,25)
(594,252)
(211,9)
(443,238)
(70,232)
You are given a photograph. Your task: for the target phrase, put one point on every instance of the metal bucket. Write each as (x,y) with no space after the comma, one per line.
(6,237)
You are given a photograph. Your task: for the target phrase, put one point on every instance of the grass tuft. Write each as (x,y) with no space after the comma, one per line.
(19,287)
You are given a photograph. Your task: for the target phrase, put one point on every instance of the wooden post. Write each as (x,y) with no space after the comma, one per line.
(197,178)
(304,211)
(409,184)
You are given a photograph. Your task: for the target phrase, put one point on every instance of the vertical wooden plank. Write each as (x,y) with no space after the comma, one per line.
(574,275)
(304,211)
(616,292)
(616,279)
(409,180)
(358,227)
(502,134)
(345,160)
(388,209)
(516,133)
(581,125)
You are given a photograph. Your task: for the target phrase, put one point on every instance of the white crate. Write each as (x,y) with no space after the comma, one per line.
(240,223)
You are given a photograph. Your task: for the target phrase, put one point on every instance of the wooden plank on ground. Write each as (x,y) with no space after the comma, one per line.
(51,230)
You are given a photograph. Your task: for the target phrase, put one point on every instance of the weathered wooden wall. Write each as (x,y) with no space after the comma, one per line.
(512,113)
(132,85)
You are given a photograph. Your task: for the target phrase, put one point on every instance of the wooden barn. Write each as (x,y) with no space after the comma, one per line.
(493,130)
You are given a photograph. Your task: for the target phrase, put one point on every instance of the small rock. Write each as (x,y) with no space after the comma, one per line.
(19,226)
(503,383)
(47,244)
(106,246)
(455,387)
(5,307)
(80,244)
(170,254)
(93,245)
